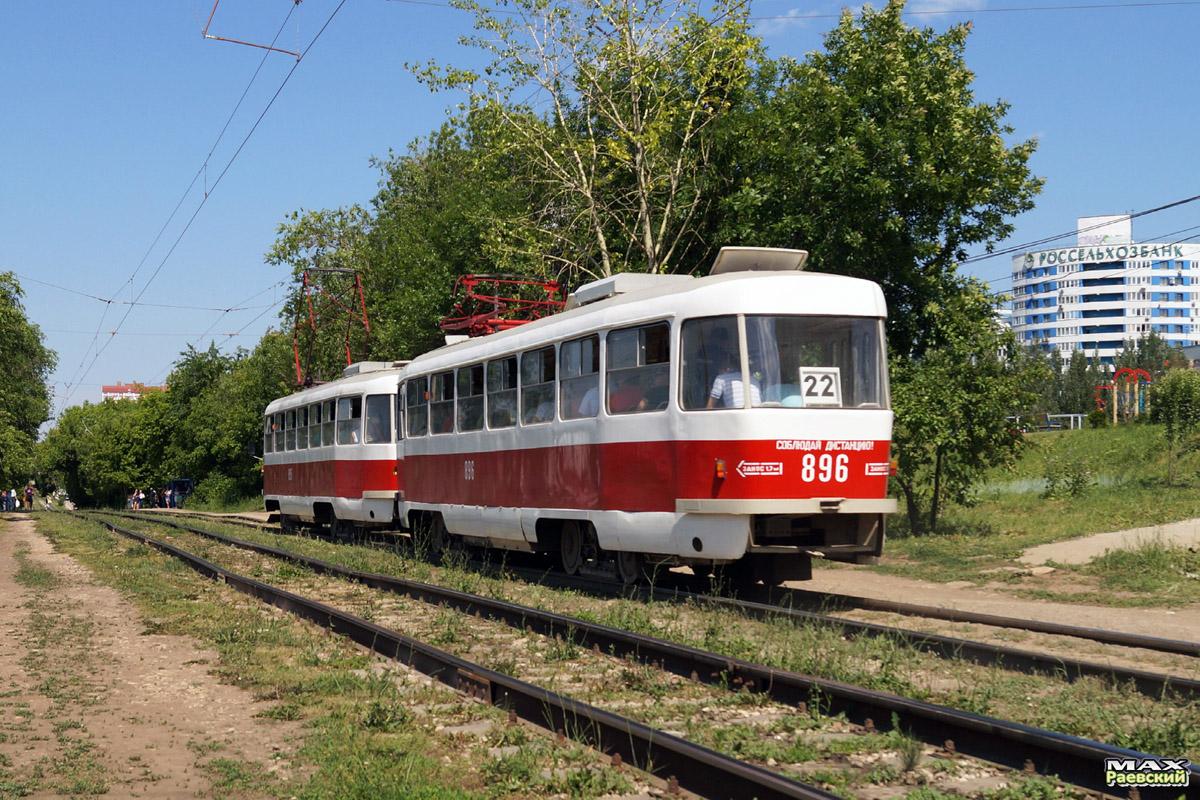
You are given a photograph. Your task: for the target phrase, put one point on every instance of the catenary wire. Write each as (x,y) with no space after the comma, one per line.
(222,174)
(186,192)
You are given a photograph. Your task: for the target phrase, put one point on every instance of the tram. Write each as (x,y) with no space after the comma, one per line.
(739,420)
(329,452)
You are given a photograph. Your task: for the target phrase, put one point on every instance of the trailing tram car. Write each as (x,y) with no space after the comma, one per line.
(738,420)
(329,452)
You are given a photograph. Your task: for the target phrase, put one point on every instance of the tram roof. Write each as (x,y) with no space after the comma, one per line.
(814,293)
(383,374)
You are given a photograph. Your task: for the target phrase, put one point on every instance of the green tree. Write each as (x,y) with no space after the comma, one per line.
(1175,402)
(441,213)
(433,219)
(1152,353)
(618,104)
(101,452)
(1044,370)
(1077,392)
(24,394)
(206,426)
(216,407)
(952,405)
(875,156)
(323,312)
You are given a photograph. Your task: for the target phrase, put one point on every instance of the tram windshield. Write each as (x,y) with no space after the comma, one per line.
(795,362)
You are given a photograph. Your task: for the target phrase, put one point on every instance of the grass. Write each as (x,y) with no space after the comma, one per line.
(352,721)
(1065,484)
(1088,708)
(61,663)
(364,735)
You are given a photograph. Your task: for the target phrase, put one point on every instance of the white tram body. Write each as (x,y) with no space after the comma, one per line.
(624,430)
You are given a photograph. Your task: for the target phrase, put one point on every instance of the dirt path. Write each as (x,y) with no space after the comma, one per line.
(90,703)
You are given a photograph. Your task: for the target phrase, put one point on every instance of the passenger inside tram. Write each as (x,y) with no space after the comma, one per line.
(627,393)
(729,387)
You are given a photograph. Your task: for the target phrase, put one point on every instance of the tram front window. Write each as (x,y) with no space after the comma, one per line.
(794,362)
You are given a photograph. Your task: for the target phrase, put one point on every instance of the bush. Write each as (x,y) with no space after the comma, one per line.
(1097,418)
(1066,476)
(215,491)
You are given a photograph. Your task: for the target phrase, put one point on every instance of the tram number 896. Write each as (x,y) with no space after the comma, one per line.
(825,468)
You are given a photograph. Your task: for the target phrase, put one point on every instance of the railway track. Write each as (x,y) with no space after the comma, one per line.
(675,589)
(1152,684)
(1018,746)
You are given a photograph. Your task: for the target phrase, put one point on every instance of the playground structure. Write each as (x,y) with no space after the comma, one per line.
(1130,394)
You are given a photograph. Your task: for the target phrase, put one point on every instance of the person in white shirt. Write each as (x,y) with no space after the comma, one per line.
(729,387)
(589,406)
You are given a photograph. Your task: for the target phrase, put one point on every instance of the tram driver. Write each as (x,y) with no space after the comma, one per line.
(729,387)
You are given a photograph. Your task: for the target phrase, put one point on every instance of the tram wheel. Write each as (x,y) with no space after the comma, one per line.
(439,538)
(629,567)
(734,577)
(571,547)
(287,524)
(342,529)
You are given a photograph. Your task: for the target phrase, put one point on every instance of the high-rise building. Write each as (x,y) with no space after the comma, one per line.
(1106,290)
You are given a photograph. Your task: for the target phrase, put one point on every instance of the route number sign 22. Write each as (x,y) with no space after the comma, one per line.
(821,386)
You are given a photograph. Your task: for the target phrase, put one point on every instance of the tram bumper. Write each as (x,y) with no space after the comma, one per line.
(834,528)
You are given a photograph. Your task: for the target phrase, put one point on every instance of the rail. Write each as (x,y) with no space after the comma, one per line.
(1078,761)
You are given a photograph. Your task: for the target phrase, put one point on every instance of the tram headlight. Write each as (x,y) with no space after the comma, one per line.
(720,469)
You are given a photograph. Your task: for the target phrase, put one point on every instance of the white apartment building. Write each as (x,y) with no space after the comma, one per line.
(1106,290)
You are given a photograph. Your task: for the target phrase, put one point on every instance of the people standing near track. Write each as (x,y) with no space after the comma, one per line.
(29,497)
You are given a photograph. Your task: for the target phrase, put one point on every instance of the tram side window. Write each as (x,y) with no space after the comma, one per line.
(416,401)
(537,386)
(379,418)
(502,392)
(268,434)
(579,381)
(328,409)
(400,414)
(289,429)
(639,369)
(712,373)
(349,420)
(278,427)
(302,428)
(441,405)
(470,398)
(314,425)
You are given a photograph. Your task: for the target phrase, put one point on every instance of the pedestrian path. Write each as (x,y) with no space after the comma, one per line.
(1084,549)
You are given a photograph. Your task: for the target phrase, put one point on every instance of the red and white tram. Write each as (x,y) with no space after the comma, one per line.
(740,418)
(329,452)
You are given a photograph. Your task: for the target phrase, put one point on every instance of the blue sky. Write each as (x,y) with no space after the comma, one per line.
(112,135)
